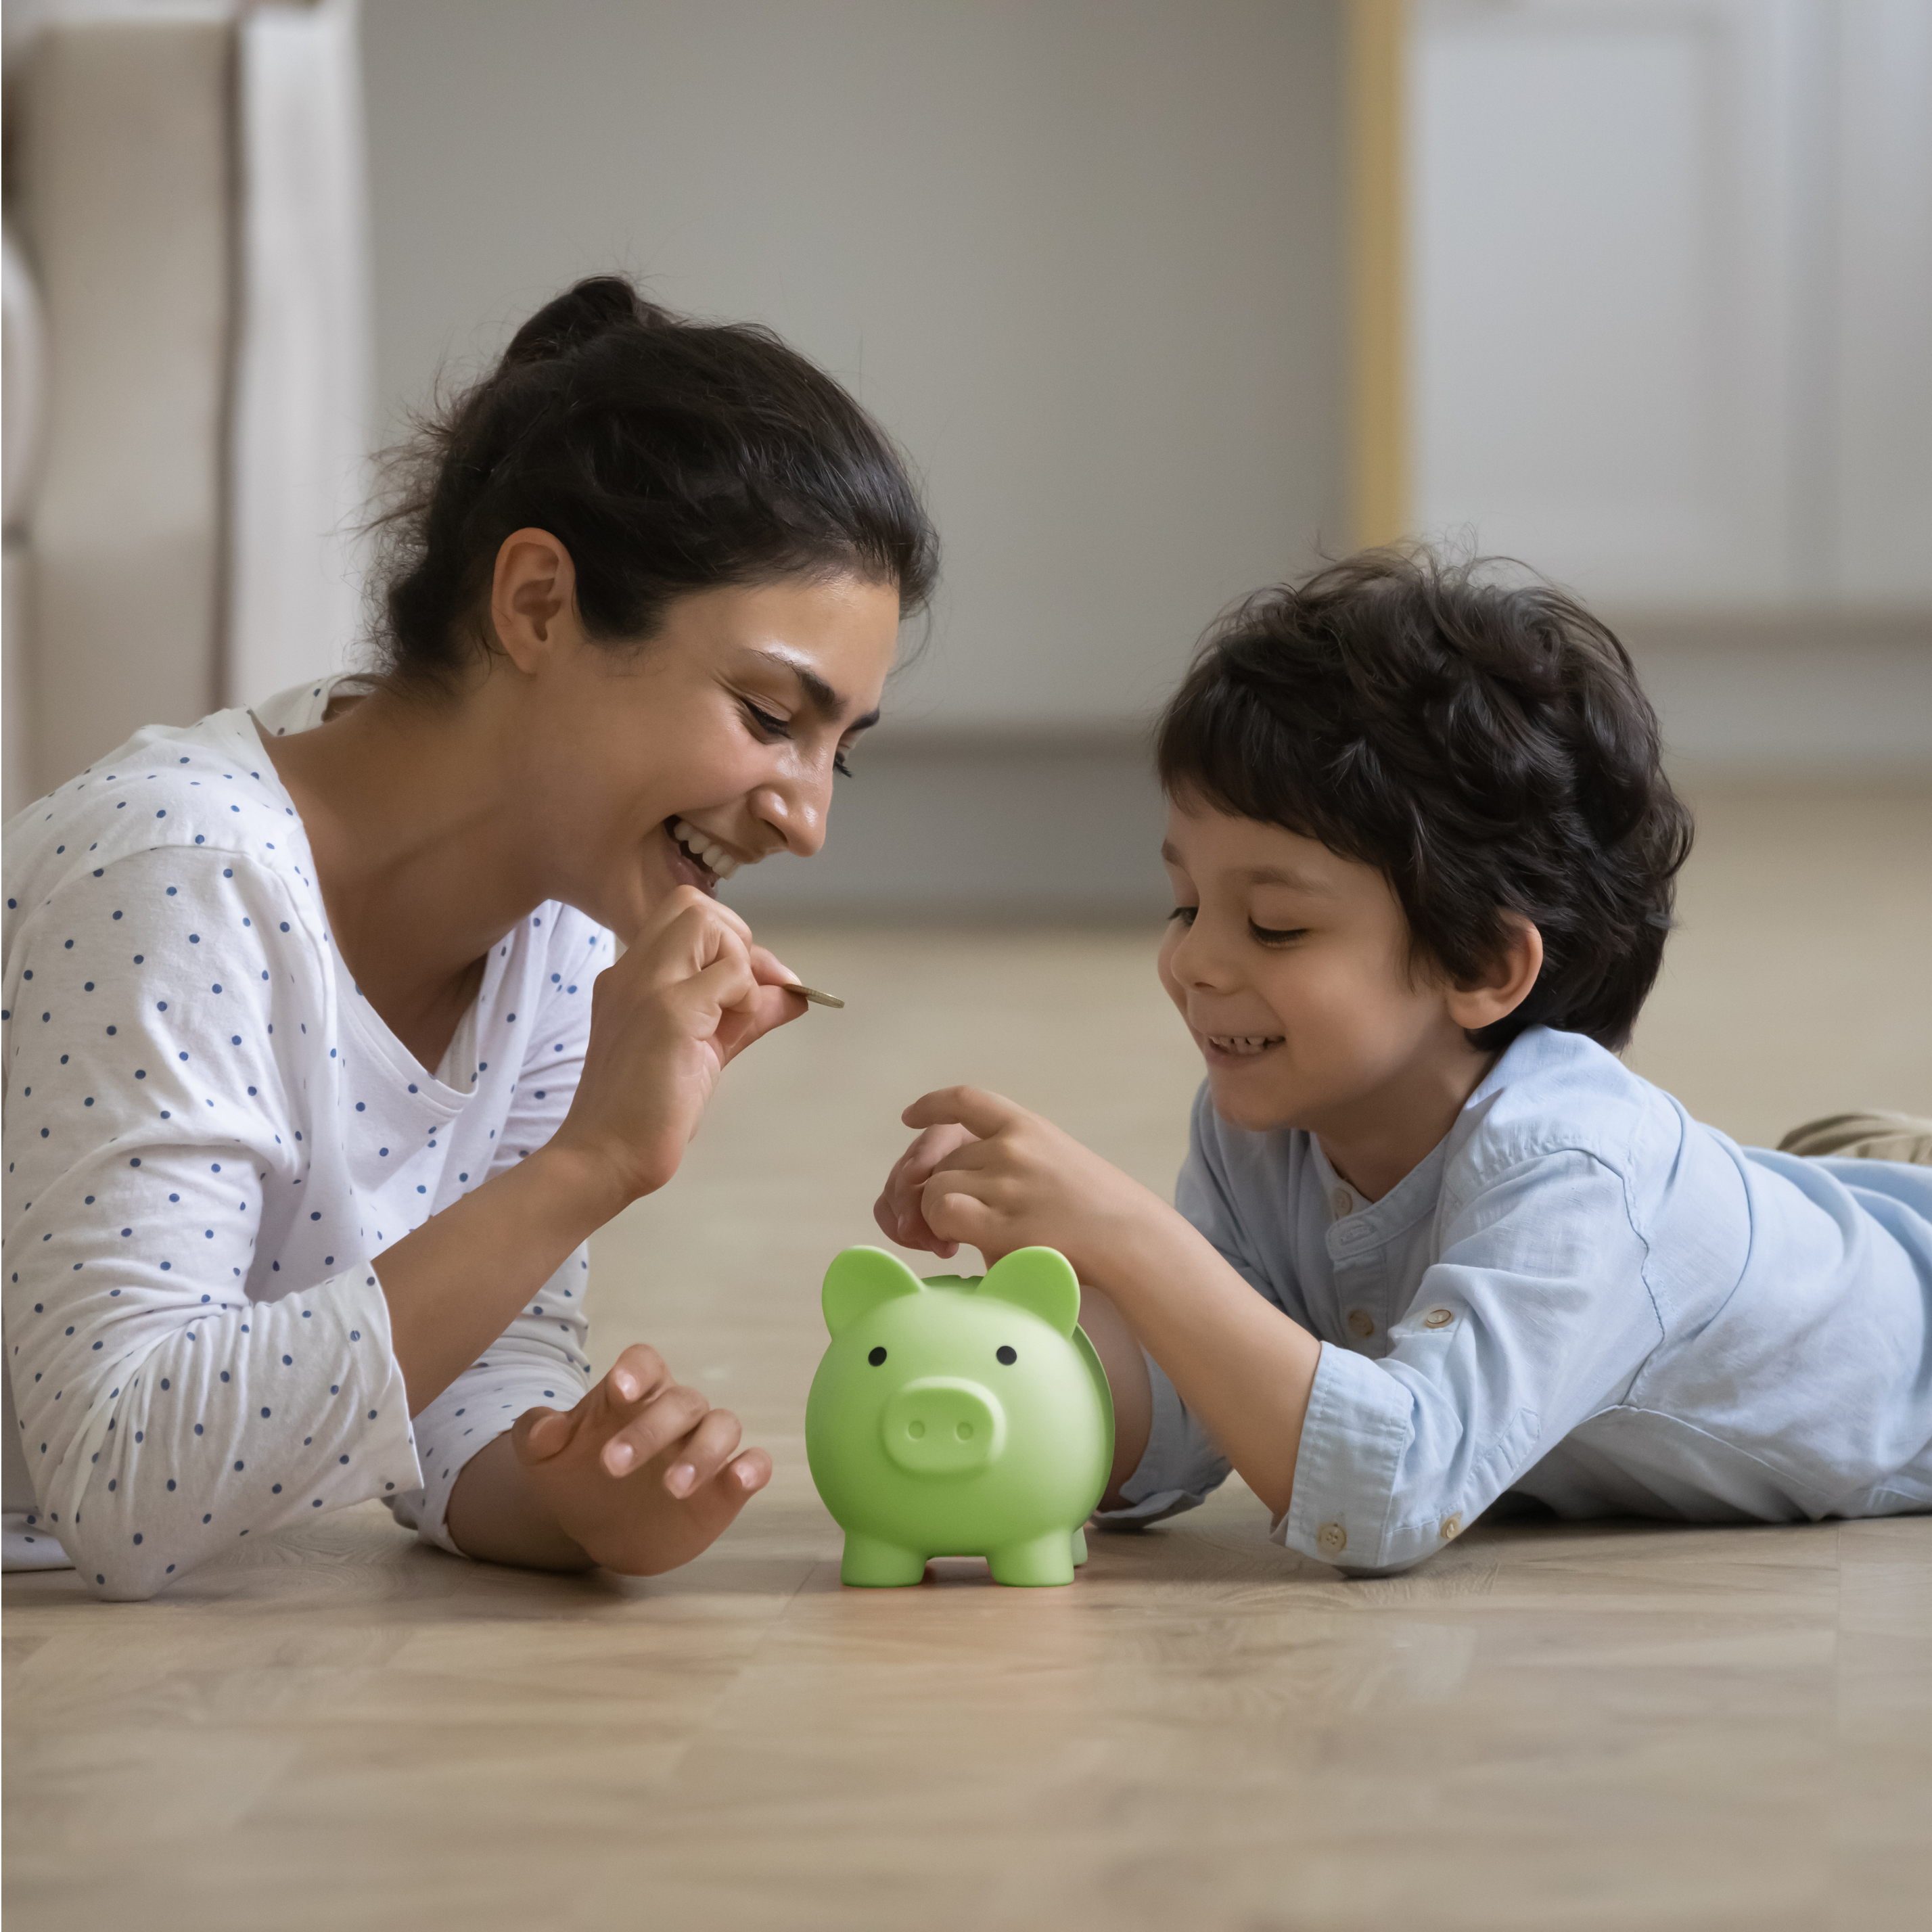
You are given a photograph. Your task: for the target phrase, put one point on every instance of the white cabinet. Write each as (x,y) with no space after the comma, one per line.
(1671,294)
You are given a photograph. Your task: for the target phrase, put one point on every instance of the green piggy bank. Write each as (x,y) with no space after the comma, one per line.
(959,1416)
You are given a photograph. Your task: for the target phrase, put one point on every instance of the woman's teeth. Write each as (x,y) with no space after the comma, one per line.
(702,847)
(1243,1042)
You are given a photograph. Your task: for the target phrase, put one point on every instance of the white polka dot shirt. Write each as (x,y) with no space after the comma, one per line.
(209,1135)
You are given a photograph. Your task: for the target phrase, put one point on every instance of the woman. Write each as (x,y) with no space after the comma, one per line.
(312,1107)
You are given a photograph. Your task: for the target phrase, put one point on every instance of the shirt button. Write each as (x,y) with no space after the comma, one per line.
(1437,1318)
(1452,1527)
(1343,1202)
(1361,1323)
(1331,1539)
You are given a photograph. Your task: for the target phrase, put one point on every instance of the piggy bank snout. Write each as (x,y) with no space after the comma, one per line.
(943,1425)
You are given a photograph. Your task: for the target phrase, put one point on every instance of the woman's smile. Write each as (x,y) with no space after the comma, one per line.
(705,852)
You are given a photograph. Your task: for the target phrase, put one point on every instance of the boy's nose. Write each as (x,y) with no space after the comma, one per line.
(1196,964)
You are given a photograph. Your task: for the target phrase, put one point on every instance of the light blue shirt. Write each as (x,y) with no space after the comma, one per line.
(1582,1296)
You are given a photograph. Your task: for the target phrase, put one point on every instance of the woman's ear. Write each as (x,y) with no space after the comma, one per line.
(532,596)
(1503,985)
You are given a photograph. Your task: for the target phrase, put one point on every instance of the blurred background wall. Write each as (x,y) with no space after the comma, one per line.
(1083,258)
(1162,296)
(187,330)
(1668,296)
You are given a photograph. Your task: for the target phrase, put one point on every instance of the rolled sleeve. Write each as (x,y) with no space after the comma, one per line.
(539,1362)
(1354,1444)
(1537,1316)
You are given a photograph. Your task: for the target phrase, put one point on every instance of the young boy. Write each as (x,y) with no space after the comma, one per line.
(1433,1243)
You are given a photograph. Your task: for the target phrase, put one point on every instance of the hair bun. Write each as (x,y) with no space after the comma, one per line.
(593,308)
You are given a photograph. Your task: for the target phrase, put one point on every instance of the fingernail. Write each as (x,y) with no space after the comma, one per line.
(625,1383)
(681,1479)
(749,1478)
(619,1457)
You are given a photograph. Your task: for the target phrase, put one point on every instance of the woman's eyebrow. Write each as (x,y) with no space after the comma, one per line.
(818,693)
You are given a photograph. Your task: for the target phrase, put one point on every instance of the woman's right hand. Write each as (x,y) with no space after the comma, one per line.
(642,1474)
(691,993)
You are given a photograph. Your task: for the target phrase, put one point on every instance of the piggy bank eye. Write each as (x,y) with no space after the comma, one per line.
(877,1356)
(1004,1354)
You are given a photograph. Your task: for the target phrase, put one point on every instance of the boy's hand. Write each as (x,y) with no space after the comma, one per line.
(1015,1180)
(643,1473)
(897,1211)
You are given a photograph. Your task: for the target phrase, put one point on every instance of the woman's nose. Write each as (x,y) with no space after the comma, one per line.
(795,811)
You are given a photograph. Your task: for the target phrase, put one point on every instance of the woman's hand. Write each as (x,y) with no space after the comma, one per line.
(643,1473)
(988,1173)
(691,993)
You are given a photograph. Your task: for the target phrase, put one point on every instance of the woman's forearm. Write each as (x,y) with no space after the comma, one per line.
(496,1514)
(1241,1364)
(453,1285)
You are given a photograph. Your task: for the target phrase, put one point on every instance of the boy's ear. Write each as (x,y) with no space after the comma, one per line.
(861,1278)
(1040,1280)
(1505,982)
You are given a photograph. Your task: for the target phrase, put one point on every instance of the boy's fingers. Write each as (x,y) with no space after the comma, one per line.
(664,1418)
(907,1225)
(959,1218)
(707,1449)
(984,1113)
(973,1156)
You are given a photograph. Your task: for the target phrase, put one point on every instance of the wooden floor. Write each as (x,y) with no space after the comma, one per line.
(1612,1725)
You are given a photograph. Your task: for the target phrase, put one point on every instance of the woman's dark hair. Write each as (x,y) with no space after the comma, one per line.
(1483,744)
(667,456)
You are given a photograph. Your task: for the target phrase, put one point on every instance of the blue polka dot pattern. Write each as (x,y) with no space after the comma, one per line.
(153,1435)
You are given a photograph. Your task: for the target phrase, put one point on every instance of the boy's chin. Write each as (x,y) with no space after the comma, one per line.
(1244,1099)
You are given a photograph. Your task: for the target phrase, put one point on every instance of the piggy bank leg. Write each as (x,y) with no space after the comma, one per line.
(870,1564)
(1046,1559)
(1079,1547)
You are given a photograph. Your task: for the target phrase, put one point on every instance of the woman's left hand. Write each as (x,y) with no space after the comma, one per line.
(643,1473)
(691,993)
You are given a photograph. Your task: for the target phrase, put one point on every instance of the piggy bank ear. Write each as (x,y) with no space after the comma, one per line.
(1041,1280)
(862,1278)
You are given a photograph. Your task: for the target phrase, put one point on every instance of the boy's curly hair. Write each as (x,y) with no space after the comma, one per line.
(1483,744)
